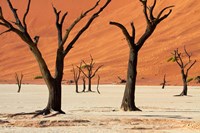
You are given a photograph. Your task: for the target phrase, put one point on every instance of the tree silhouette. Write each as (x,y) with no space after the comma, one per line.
(76,74)
(89,74)
(53,82)
(185,67)
(128,102)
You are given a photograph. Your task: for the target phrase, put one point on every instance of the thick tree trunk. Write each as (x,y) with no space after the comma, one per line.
(128,102)
(53,84)
(76,82)
(54,101)
(184,78)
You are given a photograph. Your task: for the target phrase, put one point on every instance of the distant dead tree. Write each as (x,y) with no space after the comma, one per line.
(128,102)
(76,73)
(164,82)
(19,26)
(19,81)
(89,74)
(122,81)
(184,66)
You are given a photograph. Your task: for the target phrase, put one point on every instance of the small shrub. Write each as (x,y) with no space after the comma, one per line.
(189,80)
(38,77)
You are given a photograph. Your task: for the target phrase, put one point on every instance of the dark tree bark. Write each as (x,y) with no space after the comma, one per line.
(84,83)
(53,82)
(128,102)
(90,74)
(185,67)
(164,82)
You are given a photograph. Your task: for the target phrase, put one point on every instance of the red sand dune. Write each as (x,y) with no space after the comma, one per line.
(104,42)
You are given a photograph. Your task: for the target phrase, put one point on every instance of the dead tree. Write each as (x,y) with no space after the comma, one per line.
(164,82)
(184,66)
(76,73)
(122,81)
(19,26)
(19,81)
(128,102)
(89,74)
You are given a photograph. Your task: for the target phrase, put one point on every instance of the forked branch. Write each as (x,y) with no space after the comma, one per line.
(25,14)
(128,37)
(152,22)
(84,28)
(21,29)
(178,58)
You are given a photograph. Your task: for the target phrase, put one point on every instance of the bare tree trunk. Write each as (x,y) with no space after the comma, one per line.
(76,87)
(164,82)
(128,102)
(84,87)
(54,101)
(53,84)
(184,78)
(89,84)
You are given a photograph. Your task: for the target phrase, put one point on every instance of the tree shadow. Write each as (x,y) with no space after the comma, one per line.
(168,116)
(22,114)
(34,114)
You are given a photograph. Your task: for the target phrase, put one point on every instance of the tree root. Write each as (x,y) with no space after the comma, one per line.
(130,109)
(46,111)
(137,109)
(182,94)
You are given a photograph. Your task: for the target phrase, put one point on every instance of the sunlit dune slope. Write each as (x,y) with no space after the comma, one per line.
(104,42)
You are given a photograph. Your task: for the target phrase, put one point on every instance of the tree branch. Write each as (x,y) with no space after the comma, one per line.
(59,25)
(133,33)
(25,14)
(68,30)
(6,31)
(1,13)
(161,12)
(95,15)
(177,57)
(18,22)
(144,3)
(164,17)
(82,71)
(190,67)
(151,8)
(96,70)
(125,32)
(189,57)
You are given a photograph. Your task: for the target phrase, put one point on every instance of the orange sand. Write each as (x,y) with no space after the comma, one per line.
(104,42)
